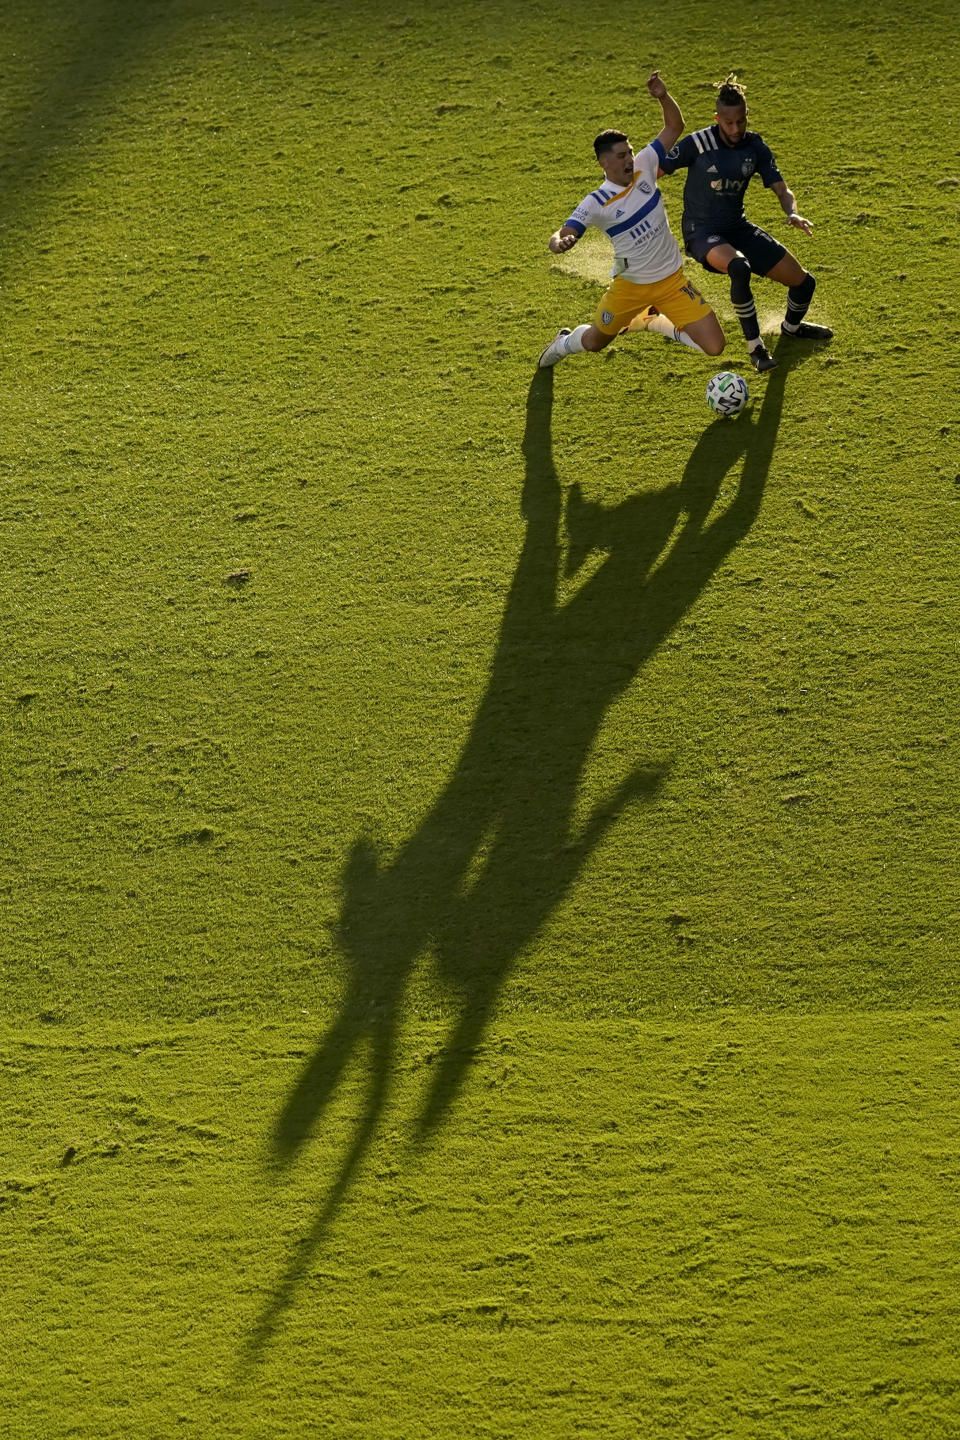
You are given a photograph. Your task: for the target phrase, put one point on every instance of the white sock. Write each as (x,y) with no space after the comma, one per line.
(572,344)
(662,326)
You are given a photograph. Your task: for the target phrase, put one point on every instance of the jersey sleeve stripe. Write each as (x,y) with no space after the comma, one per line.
(655,144)
(575,225)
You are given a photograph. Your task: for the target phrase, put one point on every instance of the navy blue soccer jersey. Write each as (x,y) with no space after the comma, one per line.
(718,174)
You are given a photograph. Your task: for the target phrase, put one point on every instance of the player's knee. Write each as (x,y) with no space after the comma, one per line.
(596,339)
(715,344)
(739,269)
(804,291)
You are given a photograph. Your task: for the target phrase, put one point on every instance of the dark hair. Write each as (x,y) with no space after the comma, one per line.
(730,91)
(606,141)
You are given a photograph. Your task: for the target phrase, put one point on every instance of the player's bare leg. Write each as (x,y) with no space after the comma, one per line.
(704,335)
(801,285)
(595,339)
(788,270)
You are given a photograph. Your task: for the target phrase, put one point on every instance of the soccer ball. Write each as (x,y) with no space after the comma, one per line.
(727,394)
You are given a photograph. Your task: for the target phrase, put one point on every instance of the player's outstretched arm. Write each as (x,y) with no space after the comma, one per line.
(787,199)
(672,118)
(563,239)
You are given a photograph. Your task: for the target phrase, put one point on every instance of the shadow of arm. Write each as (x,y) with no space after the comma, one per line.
(643,783)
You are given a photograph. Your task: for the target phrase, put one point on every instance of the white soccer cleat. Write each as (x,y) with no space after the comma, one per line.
(553,352)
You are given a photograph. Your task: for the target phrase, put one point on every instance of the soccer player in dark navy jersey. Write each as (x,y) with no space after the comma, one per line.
(720,163)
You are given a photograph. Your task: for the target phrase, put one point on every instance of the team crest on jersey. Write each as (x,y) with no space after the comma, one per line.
(674,153)
(645,187)
(606,316)
(747,167)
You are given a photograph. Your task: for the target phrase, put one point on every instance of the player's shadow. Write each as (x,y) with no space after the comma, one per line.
(498,850)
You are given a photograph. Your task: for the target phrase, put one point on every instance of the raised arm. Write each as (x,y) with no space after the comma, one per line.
(787,199)
(672,118)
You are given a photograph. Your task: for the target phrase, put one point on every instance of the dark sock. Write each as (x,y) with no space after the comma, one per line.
(741,298)
(749,324)
(798,301)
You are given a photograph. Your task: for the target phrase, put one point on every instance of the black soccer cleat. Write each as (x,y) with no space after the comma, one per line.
(761,359)
(806,331)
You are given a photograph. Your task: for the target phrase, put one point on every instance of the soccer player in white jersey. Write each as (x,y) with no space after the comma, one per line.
(648,289)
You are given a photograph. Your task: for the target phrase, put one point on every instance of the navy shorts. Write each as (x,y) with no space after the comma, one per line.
(760,249)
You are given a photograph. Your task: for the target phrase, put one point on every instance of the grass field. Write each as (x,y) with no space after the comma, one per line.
(478,848)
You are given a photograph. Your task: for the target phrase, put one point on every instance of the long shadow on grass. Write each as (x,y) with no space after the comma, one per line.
(499,849)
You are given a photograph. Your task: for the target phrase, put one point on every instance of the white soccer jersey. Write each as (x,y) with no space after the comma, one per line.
(635,220)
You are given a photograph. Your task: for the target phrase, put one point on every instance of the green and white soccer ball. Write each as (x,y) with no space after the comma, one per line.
(727,394)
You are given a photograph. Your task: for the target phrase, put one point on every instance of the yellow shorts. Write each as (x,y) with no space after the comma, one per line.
(676,297)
